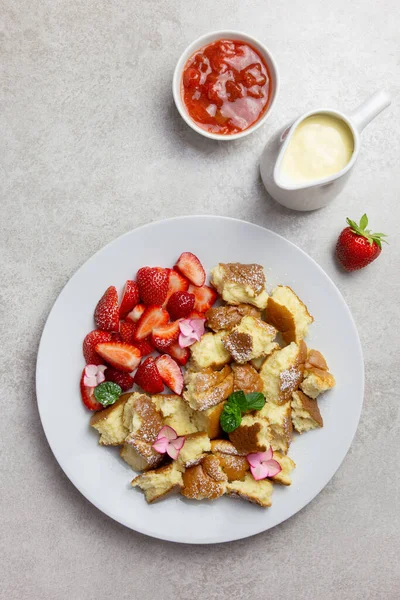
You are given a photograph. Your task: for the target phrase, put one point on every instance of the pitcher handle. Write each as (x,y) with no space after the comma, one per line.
(369,109)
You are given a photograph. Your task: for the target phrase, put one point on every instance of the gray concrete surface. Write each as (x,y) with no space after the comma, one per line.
(91,147)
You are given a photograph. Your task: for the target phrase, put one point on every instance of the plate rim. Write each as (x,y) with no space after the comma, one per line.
(70,475)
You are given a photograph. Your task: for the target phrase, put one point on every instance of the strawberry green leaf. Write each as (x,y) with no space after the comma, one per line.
(363,221)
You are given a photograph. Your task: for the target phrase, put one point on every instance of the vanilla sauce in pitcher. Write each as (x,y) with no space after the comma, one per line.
(321,146)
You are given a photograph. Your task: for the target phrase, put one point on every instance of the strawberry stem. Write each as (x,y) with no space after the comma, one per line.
(361,229)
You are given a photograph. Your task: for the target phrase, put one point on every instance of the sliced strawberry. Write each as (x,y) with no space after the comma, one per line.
(124,380)
(189,265)
(115,336)
(196,315)
(181,355)
(180,305)
(153,316)
(204,297)
(176,283)
(127,331)
(162,337)
(89,344)
(148,377)
(153,285)
(136,313)
(130,298)
(124,357)
(145,346)
(106,313)
(87,394)
(170,373)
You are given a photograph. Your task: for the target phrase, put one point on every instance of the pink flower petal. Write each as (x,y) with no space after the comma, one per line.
(185,341)
(101,368)
(91,370)
(90,381)
(256,458)
(161,445)
(273,467)
(198,328)
(259,472)
(167,432)
(172,452)
(100,377)
(185,327)
(178,443)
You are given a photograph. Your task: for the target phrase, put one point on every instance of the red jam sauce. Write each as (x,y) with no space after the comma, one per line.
(226,87)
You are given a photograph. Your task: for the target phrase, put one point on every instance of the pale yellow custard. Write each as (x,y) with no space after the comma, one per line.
(320,146)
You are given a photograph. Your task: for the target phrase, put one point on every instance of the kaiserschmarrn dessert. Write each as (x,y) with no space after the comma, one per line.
(241,382)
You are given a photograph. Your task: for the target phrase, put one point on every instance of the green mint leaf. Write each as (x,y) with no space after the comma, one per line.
(363,222)
(255,401)
(107,393)
(238,398)
(231,417)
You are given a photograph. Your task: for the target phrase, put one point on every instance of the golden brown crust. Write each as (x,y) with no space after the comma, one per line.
(315,360)
(234,467)
(290,380)
(150,424)
(282,319)
(246,439)
(204,481)
(310,405)
(239,345)
(227,317)
(100,415)
(208,388)
(251,275)
(167,477)
(246,378)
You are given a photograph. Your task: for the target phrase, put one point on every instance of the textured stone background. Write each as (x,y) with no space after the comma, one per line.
(91,147)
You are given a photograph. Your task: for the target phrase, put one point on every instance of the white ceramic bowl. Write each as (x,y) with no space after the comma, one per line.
(203,41)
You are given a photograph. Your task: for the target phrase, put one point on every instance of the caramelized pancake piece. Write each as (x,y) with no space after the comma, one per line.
(279,418)
(282,372)
(209,352)
(144,422)
(159,482)
(109,423)
(287,464)
(288,314)
(227,317)
(175,412)
(240,284)
(246,378)
(305,413)
(317,379)
(204,481)
(250,339)
(208,420)
(252,435)
(207,388)
(233,465)
(258,492)
(193,450)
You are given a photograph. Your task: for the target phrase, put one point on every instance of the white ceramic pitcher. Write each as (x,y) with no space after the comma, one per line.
(310,196)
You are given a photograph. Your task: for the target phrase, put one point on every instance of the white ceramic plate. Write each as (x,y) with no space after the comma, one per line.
(99,474)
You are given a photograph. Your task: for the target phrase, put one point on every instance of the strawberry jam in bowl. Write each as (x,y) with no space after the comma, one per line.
(225,85)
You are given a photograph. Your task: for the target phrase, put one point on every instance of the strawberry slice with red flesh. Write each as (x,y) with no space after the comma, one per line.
(124,380)
(181,355)
(89,343)
(176,283)
(205,297)
(136,313)
(162,337)
(145,346)
(130,298)
(189,265)
(153,316)
(119,355)
(180,305)
(87,394)
(127,331)
(106,313)
(153,285)
(148,377)
(170,373)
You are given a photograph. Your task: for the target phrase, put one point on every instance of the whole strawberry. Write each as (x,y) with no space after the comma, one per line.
(357,246)
(153,285)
